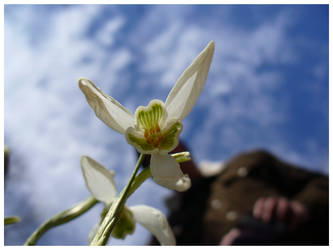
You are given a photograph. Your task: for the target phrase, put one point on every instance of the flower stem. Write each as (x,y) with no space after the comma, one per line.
(144,175)
(112,216)
(11,220)
(61,218)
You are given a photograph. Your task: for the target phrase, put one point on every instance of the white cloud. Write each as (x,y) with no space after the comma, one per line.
(106,34)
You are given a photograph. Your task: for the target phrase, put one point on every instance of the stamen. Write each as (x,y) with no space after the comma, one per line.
(153,135)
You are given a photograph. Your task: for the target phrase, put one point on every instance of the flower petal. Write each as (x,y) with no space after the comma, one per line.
(155,221)
(187,89)
(166,172)
(106,108)
(137,140)
(170,136)
(99,180)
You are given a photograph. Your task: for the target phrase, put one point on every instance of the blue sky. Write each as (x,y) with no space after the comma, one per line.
(267,88)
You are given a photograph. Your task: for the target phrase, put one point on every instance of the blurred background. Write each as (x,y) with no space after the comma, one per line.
(267,88)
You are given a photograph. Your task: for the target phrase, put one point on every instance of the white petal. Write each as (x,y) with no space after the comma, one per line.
(166,172)
(187,89)
(155,221)
(99,180)
(106,108)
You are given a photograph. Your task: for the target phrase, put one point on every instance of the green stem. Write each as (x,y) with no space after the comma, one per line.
(61,218)
(144,175)
(11,220)
(112,216)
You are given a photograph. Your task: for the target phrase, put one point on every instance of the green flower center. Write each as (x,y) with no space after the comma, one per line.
(150,120)
(151,115)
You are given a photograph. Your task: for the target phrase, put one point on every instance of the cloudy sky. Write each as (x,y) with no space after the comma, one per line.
(267,88)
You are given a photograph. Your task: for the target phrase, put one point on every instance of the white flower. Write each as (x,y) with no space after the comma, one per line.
(155,129)
(101,184)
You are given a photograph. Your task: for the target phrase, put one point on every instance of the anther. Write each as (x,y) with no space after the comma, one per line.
(153,135)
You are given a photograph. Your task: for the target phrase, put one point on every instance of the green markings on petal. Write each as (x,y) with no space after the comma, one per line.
(155,139)
(170,136)
(139,143)
(150,133)
(150,116)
